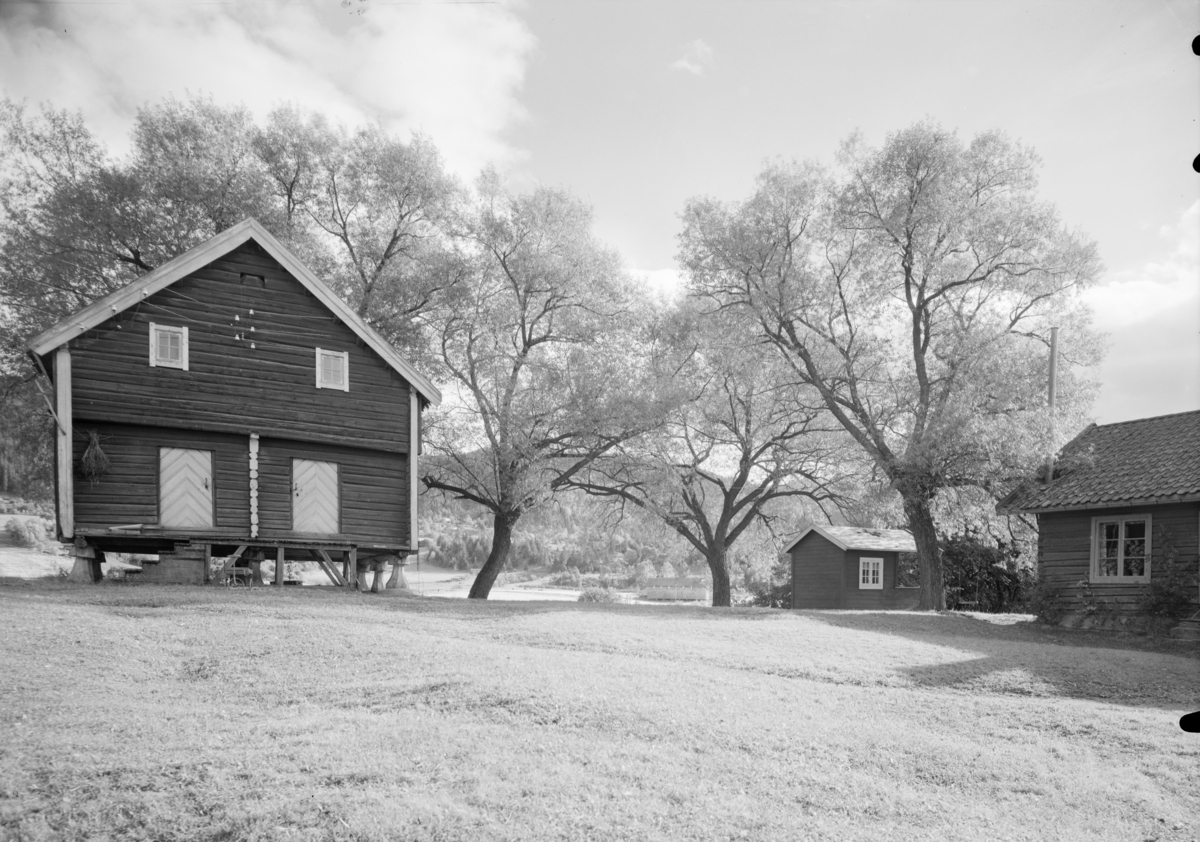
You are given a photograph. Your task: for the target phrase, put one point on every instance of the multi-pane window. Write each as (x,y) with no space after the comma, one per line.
(168,346)
(870,573)
(333,370)
(1121,548)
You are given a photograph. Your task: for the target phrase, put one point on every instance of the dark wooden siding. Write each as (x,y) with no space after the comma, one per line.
(230,387)
(889,597)
(128,493)
(1065,551)
(373,491)
(816,573)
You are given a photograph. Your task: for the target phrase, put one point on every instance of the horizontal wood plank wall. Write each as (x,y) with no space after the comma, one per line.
(889,596)
(374,491)
(816,573)
(1065,551)
(229,387)
(128,493)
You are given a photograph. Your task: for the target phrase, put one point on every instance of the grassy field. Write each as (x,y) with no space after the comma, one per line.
(133,712)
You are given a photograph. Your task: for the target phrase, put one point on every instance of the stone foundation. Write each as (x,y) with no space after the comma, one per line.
(184,566)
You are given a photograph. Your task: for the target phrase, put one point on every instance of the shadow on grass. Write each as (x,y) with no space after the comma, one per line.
(1027,658)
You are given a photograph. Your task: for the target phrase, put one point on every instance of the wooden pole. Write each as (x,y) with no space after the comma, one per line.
(1050,401)
(352,568)
(279,564)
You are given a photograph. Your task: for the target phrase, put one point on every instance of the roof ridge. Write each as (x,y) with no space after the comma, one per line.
(1151,418)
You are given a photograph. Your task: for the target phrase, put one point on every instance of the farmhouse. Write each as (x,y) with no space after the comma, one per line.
(229,405)
(853,567)
(1121,510)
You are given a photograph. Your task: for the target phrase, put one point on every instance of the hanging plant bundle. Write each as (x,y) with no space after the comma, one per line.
(95,462)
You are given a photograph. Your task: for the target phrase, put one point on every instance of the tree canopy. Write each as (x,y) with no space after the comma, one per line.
(913,287)
(540,345)
(737,434)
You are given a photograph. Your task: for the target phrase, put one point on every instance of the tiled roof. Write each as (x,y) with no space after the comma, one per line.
(1151,460)
(863,538)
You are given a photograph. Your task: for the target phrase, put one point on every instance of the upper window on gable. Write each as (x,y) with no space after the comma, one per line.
(333,370)
(168,346)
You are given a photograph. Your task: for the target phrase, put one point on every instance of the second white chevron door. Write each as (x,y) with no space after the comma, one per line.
(315,503)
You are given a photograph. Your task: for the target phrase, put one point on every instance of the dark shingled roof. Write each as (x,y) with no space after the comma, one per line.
(1151,460)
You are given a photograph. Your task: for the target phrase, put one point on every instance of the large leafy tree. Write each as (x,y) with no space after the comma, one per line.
(913,288)
(739,433)
(540,346)
(365,210)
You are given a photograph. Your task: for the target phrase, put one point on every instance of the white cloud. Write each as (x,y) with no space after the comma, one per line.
(1152,316)
(697,55)
(452,71)
(1161,286)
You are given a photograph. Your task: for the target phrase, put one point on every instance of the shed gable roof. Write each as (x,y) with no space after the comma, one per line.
(862,538)
(180,267)
(1146,461)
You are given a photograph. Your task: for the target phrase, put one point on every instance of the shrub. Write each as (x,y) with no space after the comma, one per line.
(986,576)
(775,591)
(597,595)
(569,578)
(1042,600)
(1172,585)
(26,532)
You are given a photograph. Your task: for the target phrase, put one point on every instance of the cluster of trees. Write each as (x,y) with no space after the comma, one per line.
(872,330)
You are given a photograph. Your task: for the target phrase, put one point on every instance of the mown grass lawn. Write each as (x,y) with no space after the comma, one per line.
(140,712)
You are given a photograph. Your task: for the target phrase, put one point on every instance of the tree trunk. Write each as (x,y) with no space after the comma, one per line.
(929,559)
(502,529)
(720,578)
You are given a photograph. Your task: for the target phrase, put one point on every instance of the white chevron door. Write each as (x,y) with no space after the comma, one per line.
(315,504)
(185,488)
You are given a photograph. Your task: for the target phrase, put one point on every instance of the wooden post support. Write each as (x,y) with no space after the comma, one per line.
(81,571)
(256,561)
(219,576)
(398,581)
(279,563)
(97,560)
(377,580)
(351,558)
(207,556)
(330,569)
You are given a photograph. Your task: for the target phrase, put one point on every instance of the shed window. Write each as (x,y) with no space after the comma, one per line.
(168,346)
(333,370)
(870,573)
(1121,549)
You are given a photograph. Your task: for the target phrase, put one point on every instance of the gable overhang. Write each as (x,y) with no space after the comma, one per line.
(197,258)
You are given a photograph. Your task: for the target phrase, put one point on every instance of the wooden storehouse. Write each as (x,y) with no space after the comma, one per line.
(854,567)
(229,405)
(1121,509)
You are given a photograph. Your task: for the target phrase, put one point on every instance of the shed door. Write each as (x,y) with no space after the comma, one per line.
(315,503)
(185,488)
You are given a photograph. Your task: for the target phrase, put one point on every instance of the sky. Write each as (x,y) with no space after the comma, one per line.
(638,105)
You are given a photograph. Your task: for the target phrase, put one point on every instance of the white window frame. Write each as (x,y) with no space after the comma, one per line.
(182,332)
(1119,579)
(345,357)
(865,565)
